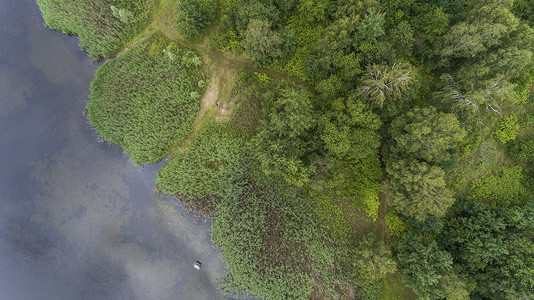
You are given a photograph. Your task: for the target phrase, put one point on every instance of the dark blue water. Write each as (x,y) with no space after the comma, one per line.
(77,219)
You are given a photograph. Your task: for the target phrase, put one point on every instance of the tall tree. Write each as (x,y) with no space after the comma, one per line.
(192,17)
(373,259)
(349,129)
(260,42)
(254,9)
(417,189)
(285,137)
(425,133)
(472,100)
(423,265)
(382,84)
(475,236)
(494,248)
(487,24)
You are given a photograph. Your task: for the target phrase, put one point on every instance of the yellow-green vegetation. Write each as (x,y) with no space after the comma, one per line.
(322,123)
(146,99)
(508,186)
(103,26)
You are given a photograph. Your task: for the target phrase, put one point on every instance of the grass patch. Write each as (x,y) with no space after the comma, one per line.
(394,289)
(146,99)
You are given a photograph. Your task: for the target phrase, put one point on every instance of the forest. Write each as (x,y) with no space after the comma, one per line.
(344,149)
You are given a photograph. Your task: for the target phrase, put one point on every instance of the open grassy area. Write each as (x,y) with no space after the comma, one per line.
(393,289)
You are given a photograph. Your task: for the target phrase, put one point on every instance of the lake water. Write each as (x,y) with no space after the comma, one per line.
(77,219)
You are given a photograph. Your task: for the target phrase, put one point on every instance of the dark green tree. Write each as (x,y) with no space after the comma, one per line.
(349,130)
(423,266)
(512,275)
(259,10)
(192,17)
(402,37)
(494,247)
(417,189)
(522,150)
(475,237)
(286,136)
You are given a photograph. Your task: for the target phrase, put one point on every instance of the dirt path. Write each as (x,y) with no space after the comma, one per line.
(223,67)
(382,211)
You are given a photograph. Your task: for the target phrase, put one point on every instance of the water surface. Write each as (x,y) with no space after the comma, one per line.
(77,219)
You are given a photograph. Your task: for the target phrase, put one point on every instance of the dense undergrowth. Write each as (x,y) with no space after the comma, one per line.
(207,171)
(146,99)
(103,26)
(402,155)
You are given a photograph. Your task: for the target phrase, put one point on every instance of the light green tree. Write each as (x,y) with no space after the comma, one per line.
(260,42)
(507,129)
(472,100)
(487,24)
(382,84)
(425,133)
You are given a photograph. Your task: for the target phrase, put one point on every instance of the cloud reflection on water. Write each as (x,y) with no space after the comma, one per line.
(77,219)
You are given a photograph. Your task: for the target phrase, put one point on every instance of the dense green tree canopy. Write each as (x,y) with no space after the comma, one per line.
(494,247)
(192,17)
(426,134)
(417,189)
(476,239)
(382,84)
(423,266)
(285,136)
(260,42)
(349,129)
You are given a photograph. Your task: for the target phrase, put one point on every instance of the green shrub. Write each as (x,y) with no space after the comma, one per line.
(507,129)
(394,224)
(144,102)
(505,188)
(192,17)
(263,232)
(522,150)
